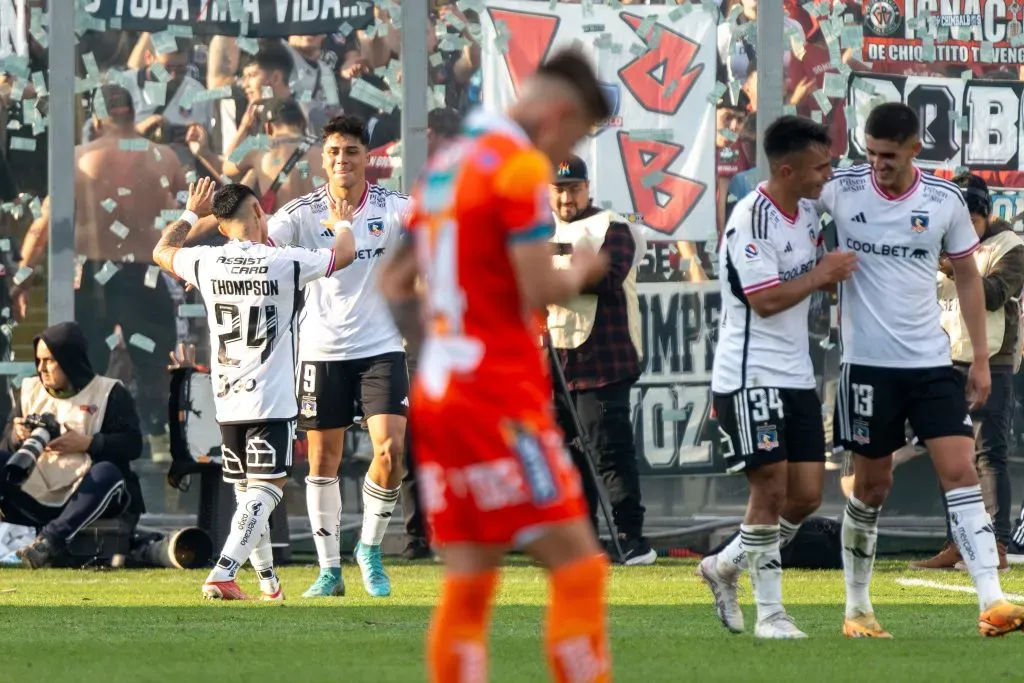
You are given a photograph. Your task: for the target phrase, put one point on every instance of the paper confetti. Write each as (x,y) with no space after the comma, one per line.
(24,144)
(108,271)
(141,341)
(119,229)
(191,311)
(152,277)
(113,340)
(23,274)
(109,205)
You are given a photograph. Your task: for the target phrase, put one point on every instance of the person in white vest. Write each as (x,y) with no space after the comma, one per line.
(597,341)
(1000,260)
(84,473)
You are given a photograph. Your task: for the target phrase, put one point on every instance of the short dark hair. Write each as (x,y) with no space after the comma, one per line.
(444,122)
(285,112)
(118,103)
(347,125)
(975,192)
(272,56)
(228,200)
(789,134)
(572,68)
(893,121)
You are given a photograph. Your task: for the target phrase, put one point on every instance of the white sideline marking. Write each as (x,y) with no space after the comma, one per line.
(925,583)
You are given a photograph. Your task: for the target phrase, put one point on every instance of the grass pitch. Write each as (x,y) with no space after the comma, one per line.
(142,626)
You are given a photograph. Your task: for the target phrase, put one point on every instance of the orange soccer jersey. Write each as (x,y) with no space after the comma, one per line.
(490,457)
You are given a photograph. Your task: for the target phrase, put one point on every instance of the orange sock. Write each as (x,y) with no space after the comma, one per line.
(457,639)
(577,633)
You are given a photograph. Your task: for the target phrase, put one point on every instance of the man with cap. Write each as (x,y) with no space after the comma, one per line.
(597,343)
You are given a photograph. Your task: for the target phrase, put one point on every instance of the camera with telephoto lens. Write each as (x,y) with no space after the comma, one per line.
(20,465)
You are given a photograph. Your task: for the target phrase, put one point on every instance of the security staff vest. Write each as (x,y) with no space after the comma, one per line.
(570,325)
(987,255)
(56,477)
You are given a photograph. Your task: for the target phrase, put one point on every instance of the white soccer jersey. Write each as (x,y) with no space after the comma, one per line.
(889,312)
(762,248)
(252,294)
(344,317)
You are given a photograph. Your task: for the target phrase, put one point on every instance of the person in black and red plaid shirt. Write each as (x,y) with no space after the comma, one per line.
(597,341)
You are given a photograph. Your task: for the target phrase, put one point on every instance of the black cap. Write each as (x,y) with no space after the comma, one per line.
(571,171)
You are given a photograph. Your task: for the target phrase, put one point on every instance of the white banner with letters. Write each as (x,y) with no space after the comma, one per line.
(13,28)
(970,124)
(654,159)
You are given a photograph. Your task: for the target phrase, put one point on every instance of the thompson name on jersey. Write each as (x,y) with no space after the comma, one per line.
(762,248)
(344,317)
(889,310)
(252,293)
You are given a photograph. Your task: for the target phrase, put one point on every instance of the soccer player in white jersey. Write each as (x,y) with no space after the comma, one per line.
(252,293)
(763,383)
(351,356)
(896,360)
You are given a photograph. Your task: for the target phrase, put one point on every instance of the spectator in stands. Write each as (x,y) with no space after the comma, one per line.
(442,126)
(729,123)
(744,182)
(166,99)
(1000,261)
(597,342)
(84,474)
(115,235)
(737,41)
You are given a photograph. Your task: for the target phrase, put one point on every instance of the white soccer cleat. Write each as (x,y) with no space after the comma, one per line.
(778,626)
(723,588)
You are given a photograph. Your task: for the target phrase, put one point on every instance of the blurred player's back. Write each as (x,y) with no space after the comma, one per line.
(481,340)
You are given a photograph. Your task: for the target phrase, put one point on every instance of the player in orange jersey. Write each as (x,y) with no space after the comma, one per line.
(494,474)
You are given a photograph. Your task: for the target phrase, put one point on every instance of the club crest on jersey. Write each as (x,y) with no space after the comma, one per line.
(751,252)
(767,438)
(375,226)
(919,221)
(861,432)
(308,407)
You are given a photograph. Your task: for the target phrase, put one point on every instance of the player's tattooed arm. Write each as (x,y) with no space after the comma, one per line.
(200,200)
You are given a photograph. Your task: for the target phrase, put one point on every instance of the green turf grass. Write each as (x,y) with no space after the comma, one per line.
(141,626)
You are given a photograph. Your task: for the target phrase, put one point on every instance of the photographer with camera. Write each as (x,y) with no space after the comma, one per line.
(64,457)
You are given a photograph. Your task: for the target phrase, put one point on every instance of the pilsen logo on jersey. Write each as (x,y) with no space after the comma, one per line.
(375,226)
(919,222)
(767,438)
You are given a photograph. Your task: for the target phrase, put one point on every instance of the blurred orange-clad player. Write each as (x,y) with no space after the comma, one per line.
(493,471)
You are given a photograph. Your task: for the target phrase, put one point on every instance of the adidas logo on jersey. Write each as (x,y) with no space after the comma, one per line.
(859,218)
(789,248)
(327,233)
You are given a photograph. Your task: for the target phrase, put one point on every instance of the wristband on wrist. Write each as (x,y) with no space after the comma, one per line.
(189,217)
(342,225)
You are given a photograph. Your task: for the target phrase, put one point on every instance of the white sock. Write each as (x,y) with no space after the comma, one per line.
(974,536)
(761,544)
(733,559)
(250,521)
(262,556)
(323,503)
(860,536)
(378,504)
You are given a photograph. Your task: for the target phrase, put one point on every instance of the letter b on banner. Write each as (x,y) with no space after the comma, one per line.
(994,115)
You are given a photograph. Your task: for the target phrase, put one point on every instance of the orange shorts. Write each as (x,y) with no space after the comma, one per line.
(491,476)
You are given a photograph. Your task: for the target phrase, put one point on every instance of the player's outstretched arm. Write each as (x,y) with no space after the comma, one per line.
(971,293)
(541,285)
(835,266)
(200,199)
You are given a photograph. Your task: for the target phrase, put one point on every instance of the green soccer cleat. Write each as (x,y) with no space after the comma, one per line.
(328,584)
(375,579)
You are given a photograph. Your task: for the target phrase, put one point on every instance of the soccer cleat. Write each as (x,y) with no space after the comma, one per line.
(778,626)
(864,626)
(724,591)
(375,579)
(638,552)
(36,554)
(328,584)
(223,590)
(277,596)
(1000,618)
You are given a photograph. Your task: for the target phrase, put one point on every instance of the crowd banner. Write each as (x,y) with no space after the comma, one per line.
(251,18)
(1008,204)
(654,159)
(13,29)
(964,32)
(967,124)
